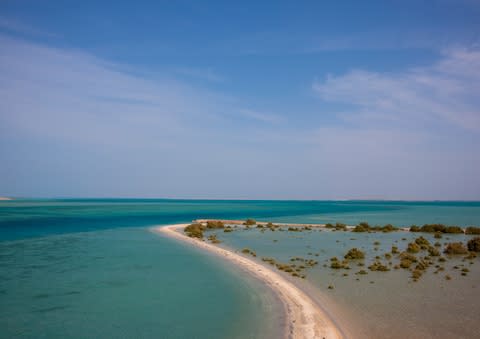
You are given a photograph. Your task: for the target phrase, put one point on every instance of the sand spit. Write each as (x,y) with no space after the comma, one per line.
(305,319)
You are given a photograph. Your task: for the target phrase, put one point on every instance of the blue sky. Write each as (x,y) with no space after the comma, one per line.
(283,100)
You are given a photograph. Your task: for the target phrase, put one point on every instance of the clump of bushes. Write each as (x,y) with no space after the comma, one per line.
(436,228)
(354,253)
(474,244)
(432,251)
(250,222)
(336,264)
(413,247)
(378,266)
(360,228)
(249,251)
(406,259)
(394,250)
(416,274)
(194,230)
(271,261)
(472,230)
(340,227)
(215,224)
(405,263)
(414,228)
(454,229)
(455,248)
(422,242)
(228,229)
(213,239)
(365,227)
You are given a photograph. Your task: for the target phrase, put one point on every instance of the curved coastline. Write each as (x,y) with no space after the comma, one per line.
(305,318)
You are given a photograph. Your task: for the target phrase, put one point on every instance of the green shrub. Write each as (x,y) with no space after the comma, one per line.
(213,239)
(422,242)
(454,229)
(214,224)
(406,255)
(414,228)
(455,248)
(194,230)
(360,228)
(416,274)
(354,253)
(472,230)
(433,251)
(249,222)
(378,266)
(405,263)
(329,225)
(474,244)
(432,228)
(413,248)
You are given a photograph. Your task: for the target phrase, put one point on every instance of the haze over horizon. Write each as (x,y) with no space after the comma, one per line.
(246,100)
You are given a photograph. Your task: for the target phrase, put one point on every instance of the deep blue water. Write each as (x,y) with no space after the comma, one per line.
(32,218)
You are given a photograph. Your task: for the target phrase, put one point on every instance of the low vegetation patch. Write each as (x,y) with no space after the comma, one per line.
(354,253)
(215,224)
(472,230)
(474,244)
(378,266)
(436,228)
(194,230)
(365,227)
(249,251)
(455,248)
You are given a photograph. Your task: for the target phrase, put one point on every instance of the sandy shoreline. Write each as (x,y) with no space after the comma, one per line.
(304,318)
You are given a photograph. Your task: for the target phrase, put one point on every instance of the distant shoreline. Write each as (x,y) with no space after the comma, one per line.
(5,198)
(305,319)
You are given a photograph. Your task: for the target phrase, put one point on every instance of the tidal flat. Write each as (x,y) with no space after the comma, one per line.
(434,296)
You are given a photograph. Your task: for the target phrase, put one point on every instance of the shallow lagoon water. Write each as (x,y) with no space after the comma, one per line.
(126,283)
(378,304)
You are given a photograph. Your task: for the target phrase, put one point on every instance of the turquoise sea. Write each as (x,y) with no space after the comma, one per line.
(91,268)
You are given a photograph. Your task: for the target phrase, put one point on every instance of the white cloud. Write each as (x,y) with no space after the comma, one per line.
(72,124)
(444,93)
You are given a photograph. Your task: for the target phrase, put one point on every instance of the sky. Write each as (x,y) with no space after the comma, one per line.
(240,99)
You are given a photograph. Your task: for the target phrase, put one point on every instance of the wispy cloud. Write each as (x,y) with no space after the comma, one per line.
(261,116)
(444,93)
(92,100)
(75,124)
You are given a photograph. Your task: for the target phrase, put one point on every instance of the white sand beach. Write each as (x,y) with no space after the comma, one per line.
(305,319)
